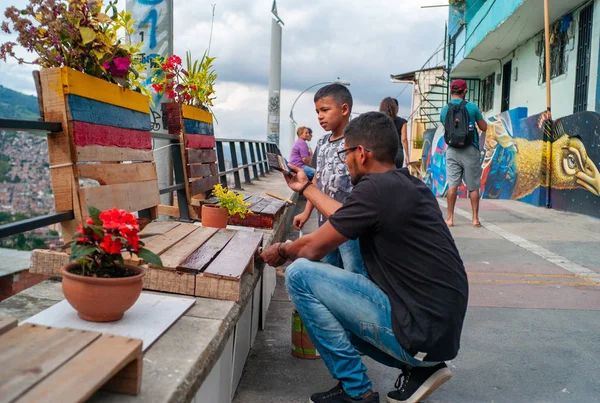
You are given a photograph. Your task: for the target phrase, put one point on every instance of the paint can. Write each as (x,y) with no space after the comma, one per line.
(302,346)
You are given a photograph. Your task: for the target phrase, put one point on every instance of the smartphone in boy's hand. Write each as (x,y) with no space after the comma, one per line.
(278,163)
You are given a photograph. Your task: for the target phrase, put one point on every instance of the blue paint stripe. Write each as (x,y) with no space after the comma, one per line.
(197,127)
(88,110)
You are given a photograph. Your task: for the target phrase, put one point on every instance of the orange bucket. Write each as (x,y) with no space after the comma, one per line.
(302,346)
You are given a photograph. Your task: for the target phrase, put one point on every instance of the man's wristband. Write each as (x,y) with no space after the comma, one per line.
(279,251)
(307,184)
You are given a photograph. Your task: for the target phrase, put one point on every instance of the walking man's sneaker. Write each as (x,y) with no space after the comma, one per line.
(416,384)
(338,395)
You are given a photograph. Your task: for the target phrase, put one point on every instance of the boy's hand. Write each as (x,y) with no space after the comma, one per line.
(300,220)
(295,182)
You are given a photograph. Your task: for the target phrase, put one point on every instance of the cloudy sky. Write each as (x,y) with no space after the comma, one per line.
(362,42)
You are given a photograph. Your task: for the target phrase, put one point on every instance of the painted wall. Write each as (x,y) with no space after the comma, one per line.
(514,164)
(525,90)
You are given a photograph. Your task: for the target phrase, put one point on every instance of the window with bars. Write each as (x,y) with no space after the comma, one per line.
(558,57)
(487,92)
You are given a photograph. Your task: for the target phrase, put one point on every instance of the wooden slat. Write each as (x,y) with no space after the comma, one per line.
(191,112)
(111,174)
(218,288)
(203,185)
(110,154)
(199,141)
(171,112)
(274,208)
(77,380)
(198,260)
(53,347)
(162,243)
(196,127)
(7,323)
(202,170)
(87,134)
(169,281)
(173,258)
(157,227)
(200,156)
(61,149)
(258,207)
(236,255)
(133,196)
(253,200)
(88,86)
(88,110)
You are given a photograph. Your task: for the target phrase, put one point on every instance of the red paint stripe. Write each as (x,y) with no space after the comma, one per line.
(87,134)
(199,141)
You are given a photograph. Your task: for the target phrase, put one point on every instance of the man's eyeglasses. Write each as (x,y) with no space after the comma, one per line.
(343,153)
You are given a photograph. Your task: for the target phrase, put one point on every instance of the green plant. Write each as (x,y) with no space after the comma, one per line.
(77,34)
(418,143)
(232,201)
(192,85)
(98,244)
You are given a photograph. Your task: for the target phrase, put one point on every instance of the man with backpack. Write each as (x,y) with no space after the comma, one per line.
(462,156)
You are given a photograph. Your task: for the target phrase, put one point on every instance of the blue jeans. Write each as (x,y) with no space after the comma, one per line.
(347,256)
(344,312)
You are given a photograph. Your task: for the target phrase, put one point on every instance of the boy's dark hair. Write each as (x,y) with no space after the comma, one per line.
(375,131)
(338,92)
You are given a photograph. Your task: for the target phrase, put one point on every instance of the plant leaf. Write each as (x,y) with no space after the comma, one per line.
(95,214)
(80,251)
(87,34)
(149,257)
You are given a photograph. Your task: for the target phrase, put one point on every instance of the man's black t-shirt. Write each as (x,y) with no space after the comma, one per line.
(410,254)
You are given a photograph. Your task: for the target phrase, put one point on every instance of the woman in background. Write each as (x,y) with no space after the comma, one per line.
(389,106)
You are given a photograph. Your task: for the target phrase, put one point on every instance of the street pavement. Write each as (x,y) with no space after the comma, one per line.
(532,331)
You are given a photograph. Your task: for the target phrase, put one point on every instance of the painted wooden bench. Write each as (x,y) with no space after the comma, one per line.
(104,158)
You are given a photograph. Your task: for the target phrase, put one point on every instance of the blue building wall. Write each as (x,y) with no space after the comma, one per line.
(489,16)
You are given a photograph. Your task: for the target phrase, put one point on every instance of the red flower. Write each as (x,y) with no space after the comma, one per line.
(115,218)
(171,94)
(90,221)
(111,246)
(130,233)
(175,60)
(157,87)
(193,87)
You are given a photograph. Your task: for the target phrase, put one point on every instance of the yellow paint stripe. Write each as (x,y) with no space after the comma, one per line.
(84,85)
(191,112)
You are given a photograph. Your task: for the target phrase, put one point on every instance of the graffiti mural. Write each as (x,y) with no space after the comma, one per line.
(516,159)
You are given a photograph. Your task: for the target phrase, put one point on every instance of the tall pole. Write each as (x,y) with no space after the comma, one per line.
(154,29)
(548,126)
(273,126)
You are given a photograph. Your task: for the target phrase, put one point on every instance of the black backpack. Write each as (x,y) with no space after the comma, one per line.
(459,131)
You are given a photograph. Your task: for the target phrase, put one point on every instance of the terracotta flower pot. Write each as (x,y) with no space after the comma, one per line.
(101,299)
(214,216)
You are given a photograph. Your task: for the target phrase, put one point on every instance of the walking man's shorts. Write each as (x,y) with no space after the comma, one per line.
(463,164)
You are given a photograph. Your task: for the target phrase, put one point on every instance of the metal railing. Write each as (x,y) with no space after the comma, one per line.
(257,163)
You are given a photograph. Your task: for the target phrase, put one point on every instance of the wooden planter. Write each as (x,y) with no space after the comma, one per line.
(103,124)
(194,126)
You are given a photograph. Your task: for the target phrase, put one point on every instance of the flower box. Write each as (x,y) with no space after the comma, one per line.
(103,124)
(194,126)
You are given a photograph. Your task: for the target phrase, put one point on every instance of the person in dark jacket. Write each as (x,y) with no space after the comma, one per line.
(389,107)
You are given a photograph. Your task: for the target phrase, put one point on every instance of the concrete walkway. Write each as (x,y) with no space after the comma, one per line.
(532,332)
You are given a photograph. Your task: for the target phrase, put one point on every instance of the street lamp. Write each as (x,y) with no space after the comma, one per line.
(293,123)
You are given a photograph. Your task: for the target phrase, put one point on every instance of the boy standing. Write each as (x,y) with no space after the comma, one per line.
(333,104)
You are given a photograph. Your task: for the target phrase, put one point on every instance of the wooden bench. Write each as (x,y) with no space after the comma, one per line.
(106,138)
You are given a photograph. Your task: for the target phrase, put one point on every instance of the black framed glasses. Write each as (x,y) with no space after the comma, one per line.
(343,153)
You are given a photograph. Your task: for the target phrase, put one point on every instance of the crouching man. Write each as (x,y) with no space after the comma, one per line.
(408,312)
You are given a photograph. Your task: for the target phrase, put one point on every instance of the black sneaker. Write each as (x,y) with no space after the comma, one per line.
(338,395)
(418,383)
